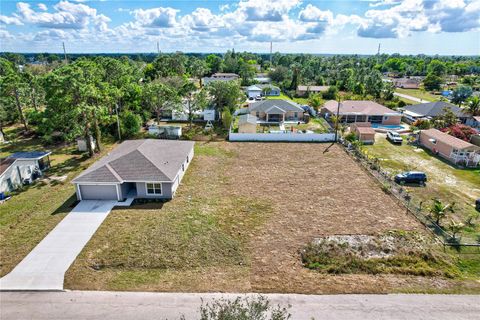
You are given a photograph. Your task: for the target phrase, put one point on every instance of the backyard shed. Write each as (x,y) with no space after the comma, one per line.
(364,132)
(147,168)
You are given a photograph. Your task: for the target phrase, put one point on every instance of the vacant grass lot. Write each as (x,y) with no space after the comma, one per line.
(238,222)
(445,181)
(418,93)
(33,212)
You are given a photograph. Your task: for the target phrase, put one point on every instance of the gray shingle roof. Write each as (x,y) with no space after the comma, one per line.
(139,160)
(285,105)
(433,109)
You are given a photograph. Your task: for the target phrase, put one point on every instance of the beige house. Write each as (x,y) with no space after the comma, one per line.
(305,90)
(451,148)
(364,132)
(276,111)
(406,83)
(352,111)
(247,124)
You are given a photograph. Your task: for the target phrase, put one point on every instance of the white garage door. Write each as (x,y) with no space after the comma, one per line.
(91,192)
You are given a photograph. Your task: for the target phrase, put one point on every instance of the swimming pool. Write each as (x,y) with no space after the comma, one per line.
(388,126)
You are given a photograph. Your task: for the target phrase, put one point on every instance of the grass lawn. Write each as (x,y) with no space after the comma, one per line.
(419,93)
(238,222)
(445,181)
(31,213)
(302,101)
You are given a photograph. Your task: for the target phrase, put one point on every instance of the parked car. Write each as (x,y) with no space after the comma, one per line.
(258,98)
(411,177)
(394,137)
(477,204)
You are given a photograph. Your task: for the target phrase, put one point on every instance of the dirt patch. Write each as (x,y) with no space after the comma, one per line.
(313,194)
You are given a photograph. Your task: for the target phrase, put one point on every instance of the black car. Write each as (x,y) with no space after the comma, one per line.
(411,177)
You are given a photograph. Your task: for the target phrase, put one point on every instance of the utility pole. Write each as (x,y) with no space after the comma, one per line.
(337,120)
(64,53)
(118,122)
(158,48)
(271,47)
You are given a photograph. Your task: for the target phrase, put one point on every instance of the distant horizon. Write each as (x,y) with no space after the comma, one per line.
(223,52)
(345,27)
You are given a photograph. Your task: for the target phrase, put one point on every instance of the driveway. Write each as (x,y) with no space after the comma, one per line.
(45,266)
(141,305)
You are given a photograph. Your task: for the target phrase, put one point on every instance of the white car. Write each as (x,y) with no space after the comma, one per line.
(394,137)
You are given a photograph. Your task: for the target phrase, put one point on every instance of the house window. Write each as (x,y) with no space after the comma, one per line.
(154,188)
(29,170)
(188,159)
(295,115)
(455,151)
(183,167)
(258,114)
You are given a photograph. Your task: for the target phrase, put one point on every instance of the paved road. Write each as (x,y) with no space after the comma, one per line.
(406,96)
(139,305)
(45,266)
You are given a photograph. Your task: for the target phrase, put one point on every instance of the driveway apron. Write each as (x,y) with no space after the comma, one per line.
(45,266)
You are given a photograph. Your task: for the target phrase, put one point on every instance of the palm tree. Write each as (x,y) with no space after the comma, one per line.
(473,106)
(455,228)
(439,210)
(315,101)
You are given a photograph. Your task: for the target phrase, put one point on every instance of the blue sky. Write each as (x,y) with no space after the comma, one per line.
(337,26)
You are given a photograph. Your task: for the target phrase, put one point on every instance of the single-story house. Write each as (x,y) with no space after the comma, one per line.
(305,90)
(276,110)
(352,111)
(407,83)
(449,147)
(247,123)
(263,90)
(146,168)
(22,168)
(364,132)
(430,110)
(220,76)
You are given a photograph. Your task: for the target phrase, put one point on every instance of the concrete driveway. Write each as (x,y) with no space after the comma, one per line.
(45,266)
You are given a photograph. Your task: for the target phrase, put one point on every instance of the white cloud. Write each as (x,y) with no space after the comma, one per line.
(409,16)
(67,15)
(42,6)
(10,20)
(156,17)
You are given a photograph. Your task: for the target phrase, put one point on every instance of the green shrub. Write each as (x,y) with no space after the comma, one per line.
(130,124)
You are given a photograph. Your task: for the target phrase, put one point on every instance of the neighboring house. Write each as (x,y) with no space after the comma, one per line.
(146,168)
(432,109)
(276,110)
(306,90)
(364,132)
(263,90)
(169,132)
(247,124)
(352,111)
(449,147)
(406,83)
(219,76)
(22,167)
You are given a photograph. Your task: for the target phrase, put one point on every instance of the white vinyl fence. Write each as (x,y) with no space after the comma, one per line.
(286,136)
